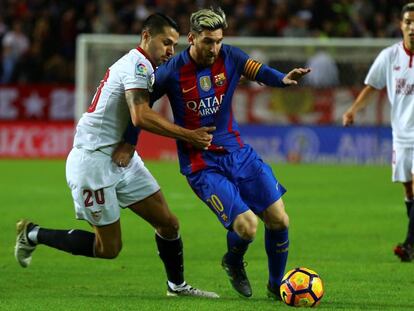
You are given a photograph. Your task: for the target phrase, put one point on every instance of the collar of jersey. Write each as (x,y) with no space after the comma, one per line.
(146,56)
(410,54)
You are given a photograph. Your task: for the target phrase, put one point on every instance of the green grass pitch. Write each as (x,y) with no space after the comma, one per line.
(344,223)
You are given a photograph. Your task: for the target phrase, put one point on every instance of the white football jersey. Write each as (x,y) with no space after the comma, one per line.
(394,69)
(103,125)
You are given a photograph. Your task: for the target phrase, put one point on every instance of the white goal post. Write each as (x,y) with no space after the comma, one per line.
(95,52)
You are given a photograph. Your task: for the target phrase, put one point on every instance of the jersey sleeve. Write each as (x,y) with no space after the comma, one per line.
(269,76)
(376,76)
(138,75)
(158,87)
(256,71)
(239,57)
(159,83)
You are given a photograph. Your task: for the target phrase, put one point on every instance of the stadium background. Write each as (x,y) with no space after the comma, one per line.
(37,96)
(344,219)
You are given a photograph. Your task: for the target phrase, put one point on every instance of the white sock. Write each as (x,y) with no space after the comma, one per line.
(32,235)
(173,286)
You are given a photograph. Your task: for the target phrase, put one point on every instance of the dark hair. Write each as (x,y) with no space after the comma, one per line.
(409,7)
(155,23)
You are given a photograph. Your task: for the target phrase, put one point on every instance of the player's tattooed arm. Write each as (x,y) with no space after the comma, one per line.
(144,117)
(135,98)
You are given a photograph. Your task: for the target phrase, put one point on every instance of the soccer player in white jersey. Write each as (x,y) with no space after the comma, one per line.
(100,187)
(394,69)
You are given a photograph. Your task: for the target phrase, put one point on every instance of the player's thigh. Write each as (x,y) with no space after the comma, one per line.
(260,189)
(108,240)
(137,183)
(220,195)
(402,164)
(92,178)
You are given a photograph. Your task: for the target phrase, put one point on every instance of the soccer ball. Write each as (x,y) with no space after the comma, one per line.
(301,287)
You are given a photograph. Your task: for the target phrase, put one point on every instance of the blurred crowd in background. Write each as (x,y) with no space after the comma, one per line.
(38,37)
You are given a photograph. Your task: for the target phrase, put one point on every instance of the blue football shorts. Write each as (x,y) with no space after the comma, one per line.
(234,183)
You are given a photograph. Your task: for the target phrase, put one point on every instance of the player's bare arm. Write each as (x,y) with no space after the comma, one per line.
(144,117)
(348,117)
(295,75)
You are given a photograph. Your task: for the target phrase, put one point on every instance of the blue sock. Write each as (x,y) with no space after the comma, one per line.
(277,246)
(236,248)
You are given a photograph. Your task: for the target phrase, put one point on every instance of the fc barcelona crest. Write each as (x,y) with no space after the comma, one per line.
(220,79)
(205,83)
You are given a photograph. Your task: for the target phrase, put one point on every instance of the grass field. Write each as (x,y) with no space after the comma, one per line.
(345,221)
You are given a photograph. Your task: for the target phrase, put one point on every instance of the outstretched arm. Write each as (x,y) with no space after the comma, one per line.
(295,75)
(254,70)
(362,101)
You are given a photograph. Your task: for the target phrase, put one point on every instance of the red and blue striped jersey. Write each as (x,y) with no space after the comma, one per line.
(202,96)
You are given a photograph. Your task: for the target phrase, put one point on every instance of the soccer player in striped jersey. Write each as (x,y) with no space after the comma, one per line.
(100,187)
(394,69)
(229,177)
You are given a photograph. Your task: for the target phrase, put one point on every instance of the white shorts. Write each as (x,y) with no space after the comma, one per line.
(402,164)
(100,187)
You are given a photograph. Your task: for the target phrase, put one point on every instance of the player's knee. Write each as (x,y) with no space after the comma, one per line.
(245,225)
(113,252)
(275,216)
(249,233)
(170,229)
(109,251)
(279,222)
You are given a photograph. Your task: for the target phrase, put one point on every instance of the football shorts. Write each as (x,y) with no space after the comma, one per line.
(100,188)
(237,182)
(402,164)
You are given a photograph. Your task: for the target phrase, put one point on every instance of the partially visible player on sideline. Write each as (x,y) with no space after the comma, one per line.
(229,177)
(394,69)
(99,186)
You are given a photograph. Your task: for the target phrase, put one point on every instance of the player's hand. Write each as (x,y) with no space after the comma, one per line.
(201,138)
(122,154)
(295,75)
(348,118)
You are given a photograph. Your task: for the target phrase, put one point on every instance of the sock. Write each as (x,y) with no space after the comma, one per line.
(277,246)
(236,248)
(409,204)
(175,286)
(32,234)
(171,254)
(76,242)
(410,233)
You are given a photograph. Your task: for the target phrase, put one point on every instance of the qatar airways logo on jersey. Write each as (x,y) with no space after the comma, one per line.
(403,88)
(205,106)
